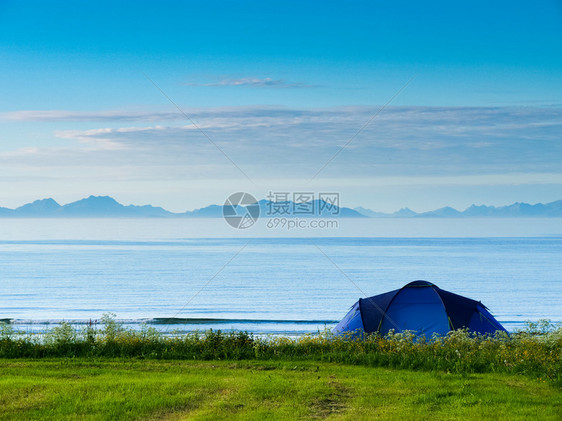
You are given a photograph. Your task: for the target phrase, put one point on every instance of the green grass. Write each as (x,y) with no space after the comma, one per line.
(66,388)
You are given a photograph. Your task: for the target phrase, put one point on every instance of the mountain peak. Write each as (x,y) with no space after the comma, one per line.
(406,212)
(445,211)
(94,203)
(106,199)
(40,206)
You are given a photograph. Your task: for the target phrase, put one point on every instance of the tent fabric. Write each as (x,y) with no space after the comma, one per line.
(417,309)
(483,320)
(419,306)
(353,319)
(373,310)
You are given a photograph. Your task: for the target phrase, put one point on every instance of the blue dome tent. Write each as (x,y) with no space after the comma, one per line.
(419,306)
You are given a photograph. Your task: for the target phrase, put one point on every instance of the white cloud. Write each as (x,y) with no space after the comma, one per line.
(295,143)
(108,115)
(253,82)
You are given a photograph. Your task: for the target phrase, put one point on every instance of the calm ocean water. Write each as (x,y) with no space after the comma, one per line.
(276,282)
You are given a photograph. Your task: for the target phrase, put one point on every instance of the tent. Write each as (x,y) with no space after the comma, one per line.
(419,306)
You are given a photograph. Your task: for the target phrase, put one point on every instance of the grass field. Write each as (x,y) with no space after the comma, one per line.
(66,388)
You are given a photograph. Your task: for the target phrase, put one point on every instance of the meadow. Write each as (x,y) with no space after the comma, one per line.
(115,373)
(132,389)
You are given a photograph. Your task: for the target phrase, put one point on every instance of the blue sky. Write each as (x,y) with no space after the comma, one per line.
(280,87)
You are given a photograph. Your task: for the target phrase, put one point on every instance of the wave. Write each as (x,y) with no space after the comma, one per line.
(166,321)
(175,320)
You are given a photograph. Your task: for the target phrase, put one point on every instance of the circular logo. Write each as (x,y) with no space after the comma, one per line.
(241,210)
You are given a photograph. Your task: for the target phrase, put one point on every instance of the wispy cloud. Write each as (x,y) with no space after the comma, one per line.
(109,115)
(403,141)
(254,82)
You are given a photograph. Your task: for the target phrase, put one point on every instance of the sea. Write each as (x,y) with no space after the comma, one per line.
(182,275)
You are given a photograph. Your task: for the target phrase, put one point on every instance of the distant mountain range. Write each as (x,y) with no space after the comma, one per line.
(516,210)
(107,207)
